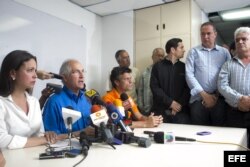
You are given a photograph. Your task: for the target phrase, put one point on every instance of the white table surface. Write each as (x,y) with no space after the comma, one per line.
(178,154)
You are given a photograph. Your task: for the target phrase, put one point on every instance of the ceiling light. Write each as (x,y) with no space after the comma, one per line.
(85,3)
(238,14)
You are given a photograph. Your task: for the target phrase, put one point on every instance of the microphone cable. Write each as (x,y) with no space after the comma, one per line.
(228,143)
(85,143)
(83,158)
(159,138)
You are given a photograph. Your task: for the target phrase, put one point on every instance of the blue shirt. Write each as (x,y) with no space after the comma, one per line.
(52,114)
(202,68)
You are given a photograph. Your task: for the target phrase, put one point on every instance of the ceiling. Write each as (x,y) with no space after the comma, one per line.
(210,7)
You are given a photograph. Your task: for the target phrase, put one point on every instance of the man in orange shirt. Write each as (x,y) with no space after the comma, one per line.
(121,82)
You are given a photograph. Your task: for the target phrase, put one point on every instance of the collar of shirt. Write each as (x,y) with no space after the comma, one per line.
(11,99)
(116,94)
(169,61)
(237,59)
(208,49)
(71,94)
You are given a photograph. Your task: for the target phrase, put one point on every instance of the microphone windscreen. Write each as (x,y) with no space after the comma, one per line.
(96,108)
(69,120)
(124,96)
(98,100)
(144,142)
(159,137)
(94,96)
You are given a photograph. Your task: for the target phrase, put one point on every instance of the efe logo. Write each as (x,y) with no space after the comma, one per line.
(236,158)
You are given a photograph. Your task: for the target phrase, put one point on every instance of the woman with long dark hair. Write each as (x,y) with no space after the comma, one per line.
(20,115)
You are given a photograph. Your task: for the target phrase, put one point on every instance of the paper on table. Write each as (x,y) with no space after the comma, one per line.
(64,144)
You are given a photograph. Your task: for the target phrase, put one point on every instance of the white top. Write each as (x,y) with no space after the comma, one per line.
(15,125)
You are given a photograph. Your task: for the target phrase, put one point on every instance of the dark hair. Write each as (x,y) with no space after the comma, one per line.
(172,43)
(116,72)
(117,54)
(232,49)
(208,24)
(232,46)
(13,61)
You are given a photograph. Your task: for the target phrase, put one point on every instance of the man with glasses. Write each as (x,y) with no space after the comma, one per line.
(203,64)
(71,96)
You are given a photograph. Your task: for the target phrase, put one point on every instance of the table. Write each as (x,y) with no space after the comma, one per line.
(178,154)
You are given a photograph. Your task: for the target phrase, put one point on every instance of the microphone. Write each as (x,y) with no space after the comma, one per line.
(116,117)
(69,123)
(114,114)
(57,76)
(161,137)
(118,104)
(100,118)
(98,115)
(70,116)
(95,97)
(128,137)
(126,100)
(85,143)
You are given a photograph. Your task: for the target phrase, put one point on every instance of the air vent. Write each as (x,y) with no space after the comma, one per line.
(85,3)
(214,17)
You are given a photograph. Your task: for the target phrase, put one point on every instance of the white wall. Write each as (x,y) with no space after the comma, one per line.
(195,23)
(105,35)
(50,39)
(117,34)
(70,12)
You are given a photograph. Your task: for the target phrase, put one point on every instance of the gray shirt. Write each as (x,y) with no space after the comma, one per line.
(234,81)
(145,97)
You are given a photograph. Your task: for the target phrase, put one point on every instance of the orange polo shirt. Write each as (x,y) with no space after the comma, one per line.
(112,95)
